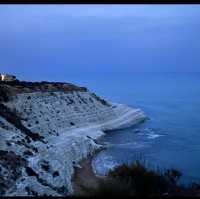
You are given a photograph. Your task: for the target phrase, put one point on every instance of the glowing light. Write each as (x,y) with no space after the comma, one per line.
(2,77)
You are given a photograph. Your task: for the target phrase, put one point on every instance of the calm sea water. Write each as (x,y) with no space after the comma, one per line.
(171,138)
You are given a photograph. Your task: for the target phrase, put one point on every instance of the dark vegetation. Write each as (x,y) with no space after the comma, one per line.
(12,164)
(11,116)
(102,101)
(3,94)
(137,180)
(43,86)
(14,119)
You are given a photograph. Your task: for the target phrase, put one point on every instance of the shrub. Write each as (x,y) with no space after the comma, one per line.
(102,101)
(3,94)
(111,187)
(143,181)
(137,180)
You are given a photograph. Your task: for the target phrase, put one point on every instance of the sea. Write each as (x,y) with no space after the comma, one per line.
(170,138)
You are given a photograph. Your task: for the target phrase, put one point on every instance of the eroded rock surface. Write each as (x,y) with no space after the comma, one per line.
(46,129)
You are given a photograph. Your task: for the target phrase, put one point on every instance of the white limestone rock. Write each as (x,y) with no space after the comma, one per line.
(70,122)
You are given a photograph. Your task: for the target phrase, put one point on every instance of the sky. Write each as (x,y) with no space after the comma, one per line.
(52,41)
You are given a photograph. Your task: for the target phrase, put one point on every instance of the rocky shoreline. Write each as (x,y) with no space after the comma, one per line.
(86,183)
(50,127)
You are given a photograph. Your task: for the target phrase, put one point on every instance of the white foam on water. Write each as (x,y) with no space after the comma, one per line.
(103,163)
(134,145)
(151,134)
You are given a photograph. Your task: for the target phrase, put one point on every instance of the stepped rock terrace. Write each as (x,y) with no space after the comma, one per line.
(48,127)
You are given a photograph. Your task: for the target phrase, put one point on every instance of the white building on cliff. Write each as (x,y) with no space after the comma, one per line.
(7,77)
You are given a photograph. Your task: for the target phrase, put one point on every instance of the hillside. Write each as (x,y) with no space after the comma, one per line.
(46,128)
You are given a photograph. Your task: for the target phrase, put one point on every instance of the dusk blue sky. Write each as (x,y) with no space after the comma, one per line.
(41,41)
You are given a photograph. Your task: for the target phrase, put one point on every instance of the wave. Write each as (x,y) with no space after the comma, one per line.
(103,164)
(150,133)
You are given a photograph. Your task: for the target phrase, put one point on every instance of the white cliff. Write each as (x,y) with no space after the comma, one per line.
(69,123)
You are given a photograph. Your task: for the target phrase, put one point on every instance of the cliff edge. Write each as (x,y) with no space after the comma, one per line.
(46,128)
